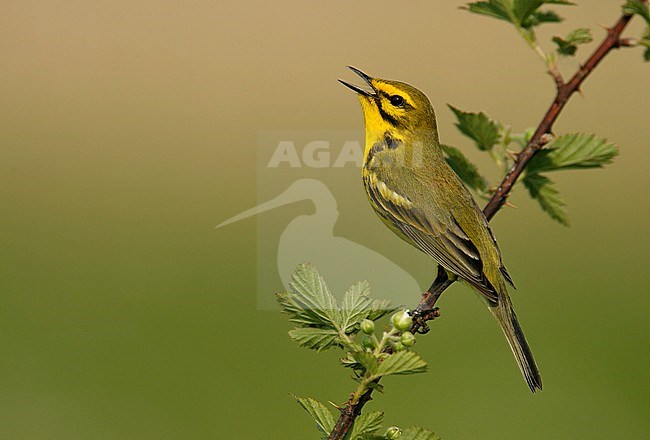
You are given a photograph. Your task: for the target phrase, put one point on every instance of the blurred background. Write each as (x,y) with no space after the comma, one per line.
(128,130)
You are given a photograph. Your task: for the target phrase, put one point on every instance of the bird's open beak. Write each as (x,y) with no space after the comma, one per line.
(358,89)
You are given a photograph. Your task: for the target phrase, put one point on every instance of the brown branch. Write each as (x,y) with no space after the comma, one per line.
(426,309)
(349,413)
(541,135)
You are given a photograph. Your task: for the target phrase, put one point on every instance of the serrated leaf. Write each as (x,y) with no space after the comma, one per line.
(522,13)
(366,424)
(466,170)
(491,8)
(573,150)
(542,189)
(318,412)
(318,339)
(540,17)
(379,308)
(367,360)
(637,7)
(402,362)
(478,127)
(418,433)
(310,303)
(569,45)
(349,362)
(355,306)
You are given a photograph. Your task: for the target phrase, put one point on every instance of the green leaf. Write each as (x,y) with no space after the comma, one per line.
(521,13)
(355,306)
(350,362)
(573,150)
(637,7)
(418,433)
(367,360)
(490,8)
(319,412)
(540,17)
(478,127)
(402,362)
(466,170)
(569,45)
(365,424)
(379,308)
(310,303)
(541,188)
(318,339)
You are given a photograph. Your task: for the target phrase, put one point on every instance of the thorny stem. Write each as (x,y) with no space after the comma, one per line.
(426,307)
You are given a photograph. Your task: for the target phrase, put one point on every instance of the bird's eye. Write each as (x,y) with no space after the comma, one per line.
(397,100)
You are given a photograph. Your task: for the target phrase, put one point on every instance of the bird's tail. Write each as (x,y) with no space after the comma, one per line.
(507,319)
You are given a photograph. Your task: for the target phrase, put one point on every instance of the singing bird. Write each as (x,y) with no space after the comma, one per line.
(420,197)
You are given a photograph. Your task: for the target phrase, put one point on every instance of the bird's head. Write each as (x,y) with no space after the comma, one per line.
(393,106)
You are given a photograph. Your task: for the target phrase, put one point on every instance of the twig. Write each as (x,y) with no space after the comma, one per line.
(542,133)
(426,310)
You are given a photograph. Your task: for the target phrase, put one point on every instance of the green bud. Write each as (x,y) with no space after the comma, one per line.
(367,326)
(408,339)
(402,321)
(368,342)
(399,346)
(393,433)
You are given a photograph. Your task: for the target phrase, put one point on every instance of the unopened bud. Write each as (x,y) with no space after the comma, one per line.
(402,321)
(367,326)
(393,433)
(408,339)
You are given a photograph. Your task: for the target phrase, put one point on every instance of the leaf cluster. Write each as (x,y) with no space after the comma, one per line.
(366,427)
(323,323)
(522,13)
(568,45)
(526,15)
(569,151)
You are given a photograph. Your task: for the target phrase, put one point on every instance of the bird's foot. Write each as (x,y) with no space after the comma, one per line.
(420,319)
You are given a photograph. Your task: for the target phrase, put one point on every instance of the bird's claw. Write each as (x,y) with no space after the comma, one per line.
(420,319)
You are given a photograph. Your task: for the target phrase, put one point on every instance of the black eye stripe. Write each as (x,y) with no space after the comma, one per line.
(392,120)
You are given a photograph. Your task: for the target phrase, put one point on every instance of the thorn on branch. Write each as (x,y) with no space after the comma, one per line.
(627,42)
(514,155)
(335,405)
(545,139)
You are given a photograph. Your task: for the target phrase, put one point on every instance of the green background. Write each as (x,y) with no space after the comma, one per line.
(128,131)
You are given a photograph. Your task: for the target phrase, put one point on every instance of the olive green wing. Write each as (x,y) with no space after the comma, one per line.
(435,233)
